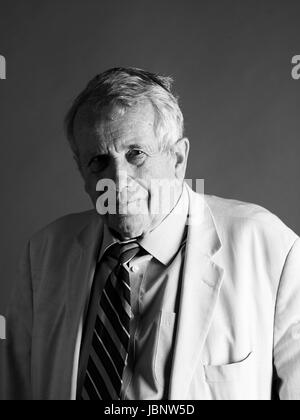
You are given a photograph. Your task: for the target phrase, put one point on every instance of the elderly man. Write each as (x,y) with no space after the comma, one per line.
(197,298)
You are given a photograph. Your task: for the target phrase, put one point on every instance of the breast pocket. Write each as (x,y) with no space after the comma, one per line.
(163,353)
(234,381)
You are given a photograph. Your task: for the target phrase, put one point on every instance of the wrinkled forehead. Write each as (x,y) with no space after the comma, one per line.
(90,121)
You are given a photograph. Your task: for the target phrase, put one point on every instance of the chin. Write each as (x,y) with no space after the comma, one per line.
(128,227)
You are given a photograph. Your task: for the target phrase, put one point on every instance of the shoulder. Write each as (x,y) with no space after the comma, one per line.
(62,230)
(237,219)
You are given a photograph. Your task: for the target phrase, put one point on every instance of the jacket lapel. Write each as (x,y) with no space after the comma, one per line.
(83,265)
(80,276)
(201,283)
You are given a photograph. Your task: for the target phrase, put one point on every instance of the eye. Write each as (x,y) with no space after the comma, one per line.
(98,163)
(136,155)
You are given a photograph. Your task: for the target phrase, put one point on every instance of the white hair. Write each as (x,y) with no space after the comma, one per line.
(126,87)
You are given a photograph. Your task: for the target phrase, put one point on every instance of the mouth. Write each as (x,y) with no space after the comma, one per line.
(129,207)
(125,203)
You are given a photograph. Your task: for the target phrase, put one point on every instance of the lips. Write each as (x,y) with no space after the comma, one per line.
(130,206)
(125,204)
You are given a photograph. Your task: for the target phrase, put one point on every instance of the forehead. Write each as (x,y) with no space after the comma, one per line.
(114,123)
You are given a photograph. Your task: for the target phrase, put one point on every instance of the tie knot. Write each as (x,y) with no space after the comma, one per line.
(124,252)
(127,251)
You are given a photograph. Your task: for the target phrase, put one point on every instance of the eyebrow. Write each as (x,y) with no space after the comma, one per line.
(149,147)
(136,146)
(93,154)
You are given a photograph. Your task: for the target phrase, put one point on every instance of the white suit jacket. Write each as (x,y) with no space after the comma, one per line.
(238,331)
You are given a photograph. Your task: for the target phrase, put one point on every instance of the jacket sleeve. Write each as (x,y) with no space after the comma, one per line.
(15,367)
(287,328)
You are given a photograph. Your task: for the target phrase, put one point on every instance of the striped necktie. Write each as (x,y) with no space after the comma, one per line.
(110,342)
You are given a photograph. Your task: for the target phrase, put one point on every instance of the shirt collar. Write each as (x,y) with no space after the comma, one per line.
(164,241)
(107,242)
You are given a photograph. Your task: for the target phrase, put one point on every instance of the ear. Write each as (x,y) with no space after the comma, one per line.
(181,152)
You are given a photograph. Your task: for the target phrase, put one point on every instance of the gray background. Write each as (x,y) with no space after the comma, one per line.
(232,65)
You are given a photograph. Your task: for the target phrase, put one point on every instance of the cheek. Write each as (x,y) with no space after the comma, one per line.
(90,183)
(166,166)
(162,195)
(147,175)
(160,168)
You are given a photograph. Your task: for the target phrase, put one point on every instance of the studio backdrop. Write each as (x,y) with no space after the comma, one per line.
(235,69)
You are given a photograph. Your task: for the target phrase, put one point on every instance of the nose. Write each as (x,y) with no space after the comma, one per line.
(127,185)
(120,174)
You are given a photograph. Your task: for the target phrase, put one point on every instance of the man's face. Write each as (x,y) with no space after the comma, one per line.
(121,146)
